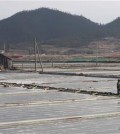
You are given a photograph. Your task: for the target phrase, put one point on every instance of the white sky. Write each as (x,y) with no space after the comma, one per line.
(97,11)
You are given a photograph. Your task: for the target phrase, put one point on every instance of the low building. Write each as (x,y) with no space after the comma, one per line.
(5,62)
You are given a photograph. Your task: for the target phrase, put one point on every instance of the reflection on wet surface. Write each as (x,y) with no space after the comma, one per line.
(35,111)
(75,82)
(94,126)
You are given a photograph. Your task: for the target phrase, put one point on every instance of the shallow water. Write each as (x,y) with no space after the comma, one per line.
(75,82)
(94,126)
(35,111)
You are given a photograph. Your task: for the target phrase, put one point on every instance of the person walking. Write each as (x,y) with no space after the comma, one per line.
(118,87)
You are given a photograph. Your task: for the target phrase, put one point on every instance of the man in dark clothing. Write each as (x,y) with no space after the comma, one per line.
(118,87)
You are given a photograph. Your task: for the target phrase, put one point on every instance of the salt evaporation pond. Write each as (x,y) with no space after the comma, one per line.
(75,82)
(35,111)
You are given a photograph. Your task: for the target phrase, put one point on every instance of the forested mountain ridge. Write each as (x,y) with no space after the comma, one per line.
(55,28)
(112,29)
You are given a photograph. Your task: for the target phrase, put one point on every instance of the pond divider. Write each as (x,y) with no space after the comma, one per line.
(81,74)
(35,86)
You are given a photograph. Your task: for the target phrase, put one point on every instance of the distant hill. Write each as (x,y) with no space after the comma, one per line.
(112,29)
(53,27)
(46,25)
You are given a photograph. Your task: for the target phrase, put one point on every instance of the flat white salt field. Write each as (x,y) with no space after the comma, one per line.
(35,111)
(62,81)
(93,126)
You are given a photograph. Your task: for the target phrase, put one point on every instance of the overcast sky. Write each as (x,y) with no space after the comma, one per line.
(97,11)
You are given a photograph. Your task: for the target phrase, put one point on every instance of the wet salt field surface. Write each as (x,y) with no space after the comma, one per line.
(95,126)
(20,95)
(35,111)
(57,110)
(75,82)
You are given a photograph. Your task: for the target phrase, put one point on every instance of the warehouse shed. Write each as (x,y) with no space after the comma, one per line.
(5,62)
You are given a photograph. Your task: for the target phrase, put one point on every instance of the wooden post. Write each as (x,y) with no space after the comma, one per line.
(40,61)
(4,47)
(35,56)
(97,56)
(22,66)
(52,62)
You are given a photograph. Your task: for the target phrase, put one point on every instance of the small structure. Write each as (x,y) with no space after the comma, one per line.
(118,87)
(5,62)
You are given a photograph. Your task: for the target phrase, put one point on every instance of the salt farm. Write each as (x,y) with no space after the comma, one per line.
(29,106)
(59,67)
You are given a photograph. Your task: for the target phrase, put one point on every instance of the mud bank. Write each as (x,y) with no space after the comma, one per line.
(81,74)
(34,86)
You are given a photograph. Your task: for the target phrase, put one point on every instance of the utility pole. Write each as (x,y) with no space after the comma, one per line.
(35,55)
(22,66)
(97,55)
(40,61)
(4,47)
(29,54)
(52,62)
